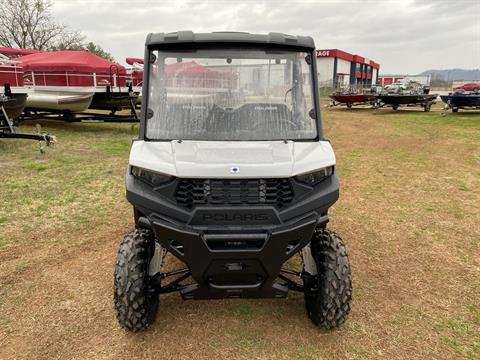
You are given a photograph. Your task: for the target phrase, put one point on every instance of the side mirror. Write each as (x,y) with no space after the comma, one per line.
(153,58)
(149,113)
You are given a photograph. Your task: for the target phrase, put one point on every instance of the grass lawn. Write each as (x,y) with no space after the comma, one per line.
(409,212)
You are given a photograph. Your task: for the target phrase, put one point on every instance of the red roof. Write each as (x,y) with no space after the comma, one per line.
(72,61)
(359,59)
(336,53)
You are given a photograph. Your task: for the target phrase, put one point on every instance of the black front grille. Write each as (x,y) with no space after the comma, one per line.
(192,192)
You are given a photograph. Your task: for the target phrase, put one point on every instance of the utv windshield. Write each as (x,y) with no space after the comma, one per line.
(230,94)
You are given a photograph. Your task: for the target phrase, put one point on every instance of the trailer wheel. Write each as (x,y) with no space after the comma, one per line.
(135,304)
(454,109)
(328,293)
(395,107)
(349,105)
(427,106)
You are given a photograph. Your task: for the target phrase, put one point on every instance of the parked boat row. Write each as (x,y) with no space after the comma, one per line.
(410,94)
(386,100)
(66,82)
(13,99)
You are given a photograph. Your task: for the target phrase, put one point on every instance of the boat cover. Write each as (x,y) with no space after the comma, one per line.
(17,52)
(71,68)
(192,68)
(192,74)
(68,60)
(132,61)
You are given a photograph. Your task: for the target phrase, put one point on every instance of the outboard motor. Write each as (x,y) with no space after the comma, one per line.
(7,90)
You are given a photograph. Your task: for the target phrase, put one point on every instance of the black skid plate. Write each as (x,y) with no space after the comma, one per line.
(234,264)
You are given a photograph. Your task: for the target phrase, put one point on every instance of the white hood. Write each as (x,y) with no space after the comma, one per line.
(232,159)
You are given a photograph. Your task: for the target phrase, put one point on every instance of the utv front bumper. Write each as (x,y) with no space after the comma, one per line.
(234,264)
(232,251)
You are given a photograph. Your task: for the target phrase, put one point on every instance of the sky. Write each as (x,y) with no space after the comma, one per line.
(404,36)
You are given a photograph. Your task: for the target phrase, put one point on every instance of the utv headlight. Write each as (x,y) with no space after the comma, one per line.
(315,177)
(150,177)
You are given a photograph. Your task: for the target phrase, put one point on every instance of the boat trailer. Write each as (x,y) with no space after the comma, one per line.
(84,117)
(350,100)
(8,131)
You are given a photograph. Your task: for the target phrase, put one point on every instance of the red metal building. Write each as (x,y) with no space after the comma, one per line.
(340,67)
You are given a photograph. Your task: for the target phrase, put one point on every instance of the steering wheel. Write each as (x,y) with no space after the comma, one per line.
(286,93)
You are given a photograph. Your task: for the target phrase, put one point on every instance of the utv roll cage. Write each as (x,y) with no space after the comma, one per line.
(188,40)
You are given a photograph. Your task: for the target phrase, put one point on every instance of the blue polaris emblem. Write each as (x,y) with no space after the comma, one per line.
(234,169)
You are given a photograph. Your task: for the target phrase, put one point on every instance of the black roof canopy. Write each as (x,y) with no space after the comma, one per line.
(186,38)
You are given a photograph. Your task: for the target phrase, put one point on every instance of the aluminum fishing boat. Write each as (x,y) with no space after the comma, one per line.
(352,99)
(399,100)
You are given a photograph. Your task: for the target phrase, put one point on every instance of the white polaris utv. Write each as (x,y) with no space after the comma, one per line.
(232,175)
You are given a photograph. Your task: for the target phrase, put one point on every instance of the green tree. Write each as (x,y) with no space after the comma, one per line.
(98,50)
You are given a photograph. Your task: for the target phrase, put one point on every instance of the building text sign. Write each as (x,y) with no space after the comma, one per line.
(323,53)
